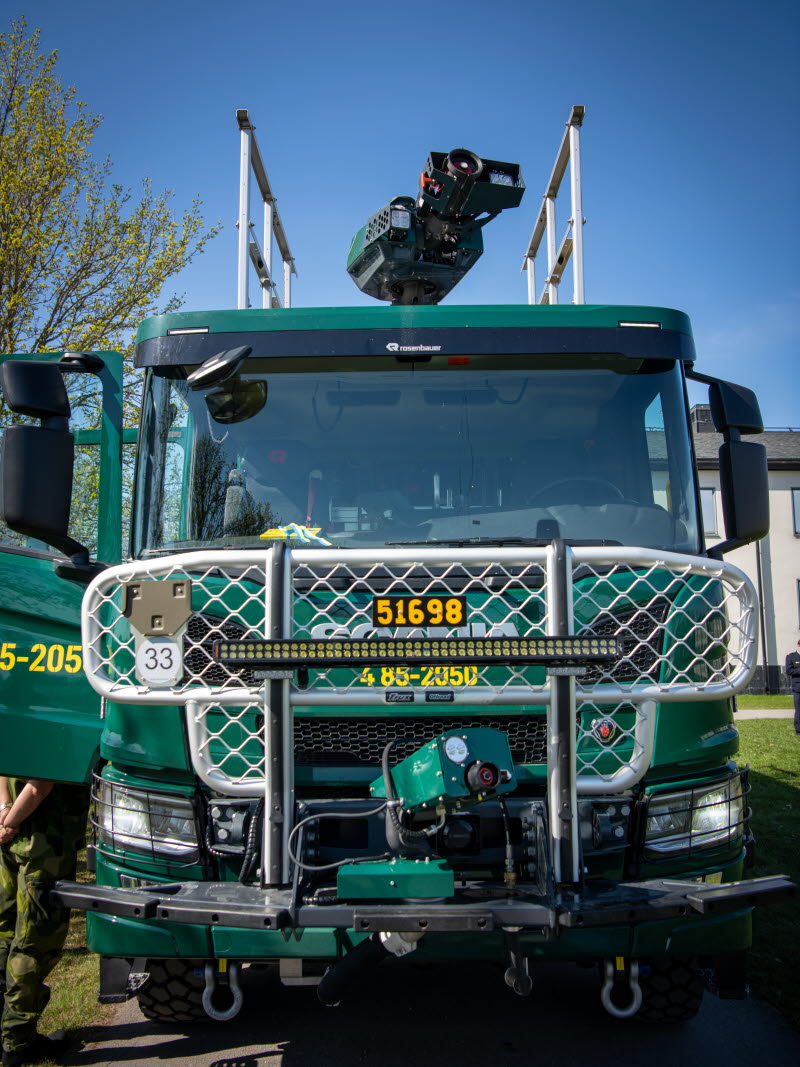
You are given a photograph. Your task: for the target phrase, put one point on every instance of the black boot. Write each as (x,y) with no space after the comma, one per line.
(41,1048)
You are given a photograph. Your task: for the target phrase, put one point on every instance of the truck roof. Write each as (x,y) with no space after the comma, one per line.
(644,332)
(388,317)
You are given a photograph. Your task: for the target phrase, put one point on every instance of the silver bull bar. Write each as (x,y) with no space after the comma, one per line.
(686,626)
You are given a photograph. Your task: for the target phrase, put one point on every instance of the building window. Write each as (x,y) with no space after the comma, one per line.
(708,502)
(796,511)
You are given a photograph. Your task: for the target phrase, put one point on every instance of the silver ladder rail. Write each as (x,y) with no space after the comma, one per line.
(572,243)
(251,163)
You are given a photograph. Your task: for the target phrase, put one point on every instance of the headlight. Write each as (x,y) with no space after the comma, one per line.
(143,821)
(698,818)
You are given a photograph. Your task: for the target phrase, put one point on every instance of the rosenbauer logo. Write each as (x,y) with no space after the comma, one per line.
(393,346)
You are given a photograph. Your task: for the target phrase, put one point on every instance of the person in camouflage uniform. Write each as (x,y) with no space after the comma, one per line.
(42,826)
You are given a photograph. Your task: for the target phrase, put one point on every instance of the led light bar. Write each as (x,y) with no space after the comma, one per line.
(333,652)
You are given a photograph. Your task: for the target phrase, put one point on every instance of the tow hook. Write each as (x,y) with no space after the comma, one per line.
(517,975)
(618,977)
(227,978)
(399,942)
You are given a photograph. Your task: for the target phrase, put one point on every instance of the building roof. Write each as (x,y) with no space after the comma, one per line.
(783,448)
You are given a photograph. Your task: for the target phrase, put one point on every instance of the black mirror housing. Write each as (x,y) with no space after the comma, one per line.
(745,490)
(35,387)
(37,485)
(734,407)
(743,470)
(39,461)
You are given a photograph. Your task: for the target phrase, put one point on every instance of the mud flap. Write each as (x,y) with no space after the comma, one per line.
(121,979)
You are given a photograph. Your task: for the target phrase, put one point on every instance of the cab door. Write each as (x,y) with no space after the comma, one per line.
(50,718)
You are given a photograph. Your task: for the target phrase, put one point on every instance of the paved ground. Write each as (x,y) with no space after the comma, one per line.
(445,1015)
(765,713)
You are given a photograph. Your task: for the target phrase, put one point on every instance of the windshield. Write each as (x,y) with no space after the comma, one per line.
(458,449)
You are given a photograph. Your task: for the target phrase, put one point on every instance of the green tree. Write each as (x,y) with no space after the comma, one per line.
(82,260)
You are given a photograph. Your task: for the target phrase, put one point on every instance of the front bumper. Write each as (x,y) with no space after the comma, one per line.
(473,909)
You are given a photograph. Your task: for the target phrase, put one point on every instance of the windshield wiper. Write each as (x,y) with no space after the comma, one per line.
(500,542)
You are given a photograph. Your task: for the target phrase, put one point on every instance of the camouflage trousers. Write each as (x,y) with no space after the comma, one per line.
(32,931)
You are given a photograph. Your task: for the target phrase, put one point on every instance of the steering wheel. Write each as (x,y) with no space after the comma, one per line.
(582,489)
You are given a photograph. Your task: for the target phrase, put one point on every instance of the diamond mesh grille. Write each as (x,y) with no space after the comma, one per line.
(360,740)
(503,599)
(686,627)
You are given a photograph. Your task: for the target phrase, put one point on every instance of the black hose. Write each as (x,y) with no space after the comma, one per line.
(251,851)
(393,827)
(397,834)
(333,815)
(366,955)
(507,832)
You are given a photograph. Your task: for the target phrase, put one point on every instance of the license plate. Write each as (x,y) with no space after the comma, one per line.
(419,611)
(449,677)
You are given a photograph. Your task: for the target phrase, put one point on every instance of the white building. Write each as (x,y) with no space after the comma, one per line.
(773,564)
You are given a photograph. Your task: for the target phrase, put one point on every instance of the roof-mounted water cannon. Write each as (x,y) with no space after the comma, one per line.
(415,251)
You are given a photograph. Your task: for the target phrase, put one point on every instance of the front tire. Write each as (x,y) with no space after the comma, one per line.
(672,991)
(174,993)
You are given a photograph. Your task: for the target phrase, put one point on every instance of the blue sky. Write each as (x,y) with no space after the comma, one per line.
(690,146)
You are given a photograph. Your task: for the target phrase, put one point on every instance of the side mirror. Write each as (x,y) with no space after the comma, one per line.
(35,387)
(38,461)
(734,407)
(744,481)
(744,477)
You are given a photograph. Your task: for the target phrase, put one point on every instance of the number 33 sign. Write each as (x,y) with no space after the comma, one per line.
(159,661)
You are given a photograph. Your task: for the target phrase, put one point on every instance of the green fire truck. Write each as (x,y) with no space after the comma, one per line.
(415,648)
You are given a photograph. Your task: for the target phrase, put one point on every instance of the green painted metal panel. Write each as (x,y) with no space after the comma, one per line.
(109,935)
(441,315)
(428,776)
(50,715)
(696,937)
(395,879)
(147,736)
(231,943)
(109,530)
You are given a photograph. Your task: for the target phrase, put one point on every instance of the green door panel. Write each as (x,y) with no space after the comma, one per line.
(50,715)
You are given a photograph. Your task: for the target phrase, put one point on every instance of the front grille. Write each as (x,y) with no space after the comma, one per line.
(359,741)
(202,633)
(640,633)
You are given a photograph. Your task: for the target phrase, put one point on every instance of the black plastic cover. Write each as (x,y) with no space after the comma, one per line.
(734,407)
(745,489)
(37,483)
(34,387)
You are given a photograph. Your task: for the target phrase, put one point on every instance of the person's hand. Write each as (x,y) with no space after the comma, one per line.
(7,834)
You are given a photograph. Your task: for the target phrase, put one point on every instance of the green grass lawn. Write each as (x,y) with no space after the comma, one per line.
(745,703)
(773,752)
